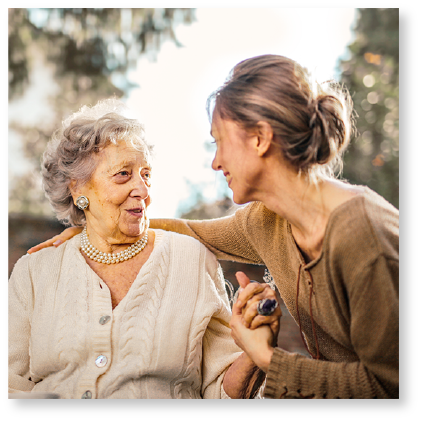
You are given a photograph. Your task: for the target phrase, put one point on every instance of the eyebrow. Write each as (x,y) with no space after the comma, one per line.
(127,163)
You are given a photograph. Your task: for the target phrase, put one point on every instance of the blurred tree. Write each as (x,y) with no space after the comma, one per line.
(204,210)
(88,43)
(90,52)
(372,76)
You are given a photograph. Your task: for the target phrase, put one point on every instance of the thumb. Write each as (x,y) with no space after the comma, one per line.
(242,279)
(236,311)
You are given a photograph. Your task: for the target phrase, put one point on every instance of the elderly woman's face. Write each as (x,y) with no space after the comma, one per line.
(118,193)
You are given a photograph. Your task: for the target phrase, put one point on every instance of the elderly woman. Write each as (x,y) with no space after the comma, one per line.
(119,311)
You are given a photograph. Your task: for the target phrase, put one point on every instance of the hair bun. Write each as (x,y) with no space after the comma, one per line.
(315,113)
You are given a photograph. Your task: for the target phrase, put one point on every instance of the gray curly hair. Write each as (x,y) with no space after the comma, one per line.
(71,151)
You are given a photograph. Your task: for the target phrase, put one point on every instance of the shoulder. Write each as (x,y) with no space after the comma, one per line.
(366,225)
(187,250)
(255,216)
(181,245)
(383,219)
(176,240)
(44,262)
(33,273)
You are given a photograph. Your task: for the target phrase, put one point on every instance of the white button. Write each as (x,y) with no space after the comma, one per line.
(101,361)
(87,395)
(104,319)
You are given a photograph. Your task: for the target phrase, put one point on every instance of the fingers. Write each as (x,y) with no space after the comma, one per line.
(247,303)
(236,310)
(242,279)
(249,292)
(253,293)
(70,232)
(40,246)
(245,311)
(253,319)
(57,239)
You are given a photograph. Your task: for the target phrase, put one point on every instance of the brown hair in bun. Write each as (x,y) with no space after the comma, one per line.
(312,122)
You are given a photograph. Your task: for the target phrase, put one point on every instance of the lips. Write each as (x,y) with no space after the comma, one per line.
(226,174)
(138,212)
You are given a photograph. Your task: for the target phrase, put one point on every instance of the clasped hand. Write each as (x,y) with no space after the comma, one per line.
(255,334)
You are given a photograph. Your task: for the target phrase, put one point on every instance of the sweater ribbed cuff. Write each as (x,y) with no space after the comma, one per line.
(274,386)
(277,374)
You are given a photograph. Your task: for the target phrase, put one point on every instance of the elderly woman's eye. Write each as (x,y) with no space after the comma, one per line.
(147,177)
(123,173)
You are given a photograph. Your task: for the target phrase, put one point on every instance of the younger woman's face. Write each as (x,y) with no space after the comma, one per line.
(236,157)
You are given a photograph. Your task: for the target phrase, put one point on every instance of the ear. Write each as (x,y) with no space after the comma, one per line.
(264,137)
(74,190)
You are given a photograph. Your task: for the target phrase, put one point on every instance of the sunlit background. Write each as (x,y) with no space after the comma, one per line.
(164,63)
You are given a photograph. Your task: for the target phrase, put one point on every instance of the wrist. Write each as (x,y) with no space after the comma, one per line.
(263,358)
(247,360)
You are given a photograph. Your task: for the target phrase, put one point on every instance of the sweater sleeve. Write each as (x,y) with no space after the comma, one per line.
(374,333)
(226,237)
(219,349)
(19,327)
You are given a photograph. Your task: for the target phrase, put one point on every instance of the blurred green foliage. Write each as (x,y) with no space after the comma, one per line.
(90,52)
(91,44)
(371,74)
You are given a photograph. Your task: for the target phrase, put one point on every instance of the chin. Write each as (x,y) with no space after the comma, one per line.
(134,230)
(240,199)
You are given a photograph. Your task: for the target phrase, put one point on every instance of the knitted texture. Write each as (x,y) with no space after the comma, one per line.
(168,338)
(354,298)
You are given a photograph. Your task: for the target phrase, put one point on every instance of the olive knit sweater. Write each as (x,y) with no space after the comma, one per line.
(348,298)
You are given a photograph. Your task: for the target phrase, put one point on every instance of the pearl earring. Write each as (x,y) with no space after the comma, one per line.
(82,202)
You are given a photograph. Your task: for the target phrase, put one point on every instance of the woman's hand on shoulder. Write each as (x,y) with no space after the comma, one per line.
(67,234)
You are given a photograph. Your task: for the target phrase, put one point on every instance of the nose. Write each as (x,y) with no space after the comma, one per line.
(140,188)
(215,164)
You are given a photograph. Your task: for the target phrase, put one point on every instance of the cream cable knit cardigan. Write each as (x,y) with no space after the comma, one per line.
(168,338)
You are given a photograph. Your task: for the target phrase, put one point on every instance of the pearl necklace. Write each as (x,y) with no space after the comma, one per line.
(110,258)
